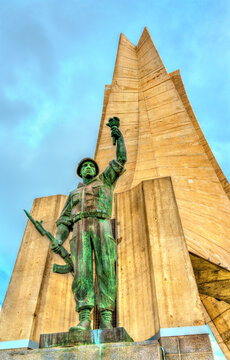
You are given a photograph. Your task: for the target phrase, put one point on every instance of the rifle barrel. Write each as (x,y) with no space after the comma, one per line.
(30,217)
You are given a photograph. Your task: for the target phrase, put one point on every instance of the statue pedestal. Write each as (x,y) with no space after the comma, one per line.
(73,338)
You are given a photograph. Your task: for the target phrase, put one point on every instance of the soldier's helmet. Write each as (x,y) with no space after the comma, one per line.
(78,171)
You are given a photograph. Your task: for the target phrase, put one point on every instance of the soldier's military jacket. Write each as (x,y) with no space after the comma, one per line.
(94,199)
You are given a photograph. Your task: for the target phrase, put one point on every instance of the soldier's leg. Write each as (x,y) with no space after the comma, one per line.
(105,257)
(83,290)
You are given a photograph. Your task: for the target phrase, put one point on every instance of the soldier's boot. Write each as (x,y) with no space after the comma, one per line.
(85,321)
(106,320)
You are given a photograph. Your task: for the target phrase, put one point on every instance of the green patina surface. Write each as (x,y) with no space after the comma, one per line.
(87,214)
(94,235)
(73,338)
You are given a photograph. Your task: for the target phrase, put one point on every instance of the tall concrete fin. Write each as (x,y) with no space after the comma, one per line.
(177,80)
(122,102)
(170,144)
(153,79)
(163,139)
(201,189)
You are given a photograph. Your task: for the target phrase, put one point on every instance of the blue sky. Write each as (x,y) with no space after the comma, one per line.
(55,58)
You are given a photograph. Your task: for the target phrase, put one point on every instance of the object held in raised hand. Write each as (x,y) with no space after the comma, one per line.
(113,122)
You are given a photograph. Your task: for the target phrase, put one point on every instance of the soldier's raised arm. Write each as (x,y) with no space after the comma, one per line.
(121,149)
(116,167)
(117,136)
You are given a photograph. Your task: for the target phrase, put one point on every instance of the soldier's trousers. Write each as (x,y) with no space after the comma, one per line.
(93,234)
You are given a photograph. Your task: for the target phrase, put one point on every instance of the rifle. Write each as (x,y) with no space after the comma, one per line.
(61,269)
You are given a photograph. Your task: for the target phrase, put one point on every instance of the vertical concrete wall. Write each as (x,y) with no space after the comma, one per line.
(37,300)
(157,288)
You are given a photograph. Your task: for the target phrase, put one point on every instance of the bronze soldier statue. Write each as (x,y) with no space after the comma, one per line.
(87,214)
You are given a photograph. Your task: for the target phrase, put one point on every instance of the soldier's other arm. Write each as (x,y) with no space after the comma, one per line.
(62,233)
(121,149)
(64,225)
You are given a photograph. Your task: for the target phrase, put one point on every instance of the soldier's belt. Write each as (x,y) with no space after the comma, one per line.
(87,214)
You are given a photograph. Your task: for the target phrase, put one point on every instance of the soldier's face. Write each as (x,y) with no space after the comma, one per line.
(88,170)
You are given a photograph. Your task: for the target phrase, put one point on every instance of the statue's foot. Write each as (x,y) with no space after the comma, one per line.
(106,325)
(82,326)
(85,321)
(106,320)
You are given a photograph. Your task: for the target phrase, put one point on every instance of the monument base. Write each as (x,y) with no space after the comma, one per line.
(146,350)
(187,347)
(73,338)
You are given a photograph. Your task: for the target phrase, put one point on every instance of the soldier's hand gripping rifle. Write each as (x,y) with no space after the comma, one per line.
(61,269)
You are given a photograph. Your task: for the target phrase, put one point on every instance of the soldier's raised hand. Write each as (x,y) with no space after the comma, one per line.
(115,132)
